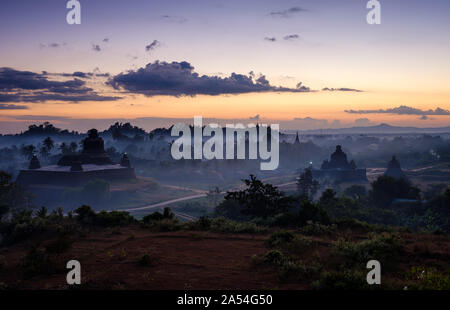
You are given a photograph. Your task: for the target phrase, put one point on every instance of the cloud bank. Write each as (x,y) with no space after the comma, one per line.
(402,110)
(179,79)
(26,86)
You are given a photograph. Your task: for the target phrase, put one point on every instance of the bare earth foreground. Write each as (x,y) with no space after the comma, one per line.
(112,259)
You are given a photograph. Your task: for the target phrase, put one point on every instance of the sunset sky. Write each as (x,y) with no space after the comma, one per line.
(152,62)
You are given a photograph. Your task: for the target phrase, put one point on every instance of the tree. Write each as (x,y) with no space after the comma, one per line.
(356,191)
(309,211)
(259,199)
(12,196)
(64,148)
(48,143)
(385,189)
(28,150)
(306,184)
(213,195)
(73,147)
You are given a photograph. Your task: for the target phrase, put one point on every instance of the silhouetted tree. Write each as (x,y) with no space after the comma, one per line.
(385,189)
(306,184)
(259,199)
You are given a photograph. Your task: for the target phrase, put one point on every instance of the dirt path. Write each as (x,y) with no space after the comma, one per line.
(169,202)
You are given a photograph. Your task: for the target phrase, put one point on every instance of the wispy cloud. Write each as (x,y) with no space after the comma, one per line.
(291,37)
(174,19)
(4,106)
(402,110)
(344,89)
(288,12)
(96,47)
(270,39)
(152,46)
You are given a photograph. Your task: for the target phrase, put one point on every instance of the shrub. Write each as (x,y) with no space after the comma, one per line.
(289,242)
(310,211)
(384,247)
(157,216)
(313,228)
(341,280)
(428,279)
(223,225)
(59,245)
(280,238)
(297,272)
(37,262)
(274,257)
(164,225)
(146,260)
(113,218)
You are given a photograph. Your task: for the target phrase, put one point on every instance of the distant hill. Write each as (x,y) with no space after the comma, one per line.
(378,129)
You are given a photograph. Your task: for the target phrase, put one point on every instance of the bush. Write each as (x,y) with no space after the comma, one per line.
(37,262)
(223,225)
(164,225)
(310,211)
(428,279)
(298,272)
(275,258)
(341,280)
(280,238)
(312,228)
(113,218)
(289,242)
(384,248)
(59,245)
(146,260)
(157,216)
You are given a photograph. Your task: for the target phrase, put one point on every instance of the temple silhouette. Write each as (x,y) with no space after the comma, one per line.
(92,163)
(339,169)
(394,169)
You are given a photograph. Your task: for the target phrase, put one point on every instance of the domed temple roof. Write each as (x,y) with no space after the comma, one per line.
(34,163)
(338,160)
(93,152)
(394,169)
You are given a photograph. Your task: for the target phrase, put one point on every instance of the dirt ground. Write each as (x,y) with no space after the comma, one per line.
(186,260)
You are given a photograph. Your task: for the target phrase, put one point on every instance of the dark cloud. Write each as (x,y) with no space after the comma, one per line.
(342,89)
(174,19)
(11,106)
(254,118)
(96,47)
(179,79)
(51,45)
(424,118)
(106,40)
(270,39)
(152,45)
(402,110)
(26,86)
(288,13)
(290,37)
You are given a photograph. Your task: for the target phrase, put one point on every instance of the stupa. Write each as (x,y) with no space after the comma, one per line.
(338,168)
(394,169)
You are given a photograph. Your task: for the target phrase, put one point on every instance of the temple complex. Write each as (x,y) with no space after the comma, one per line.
(92,163)
(394,170)
(338,168)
